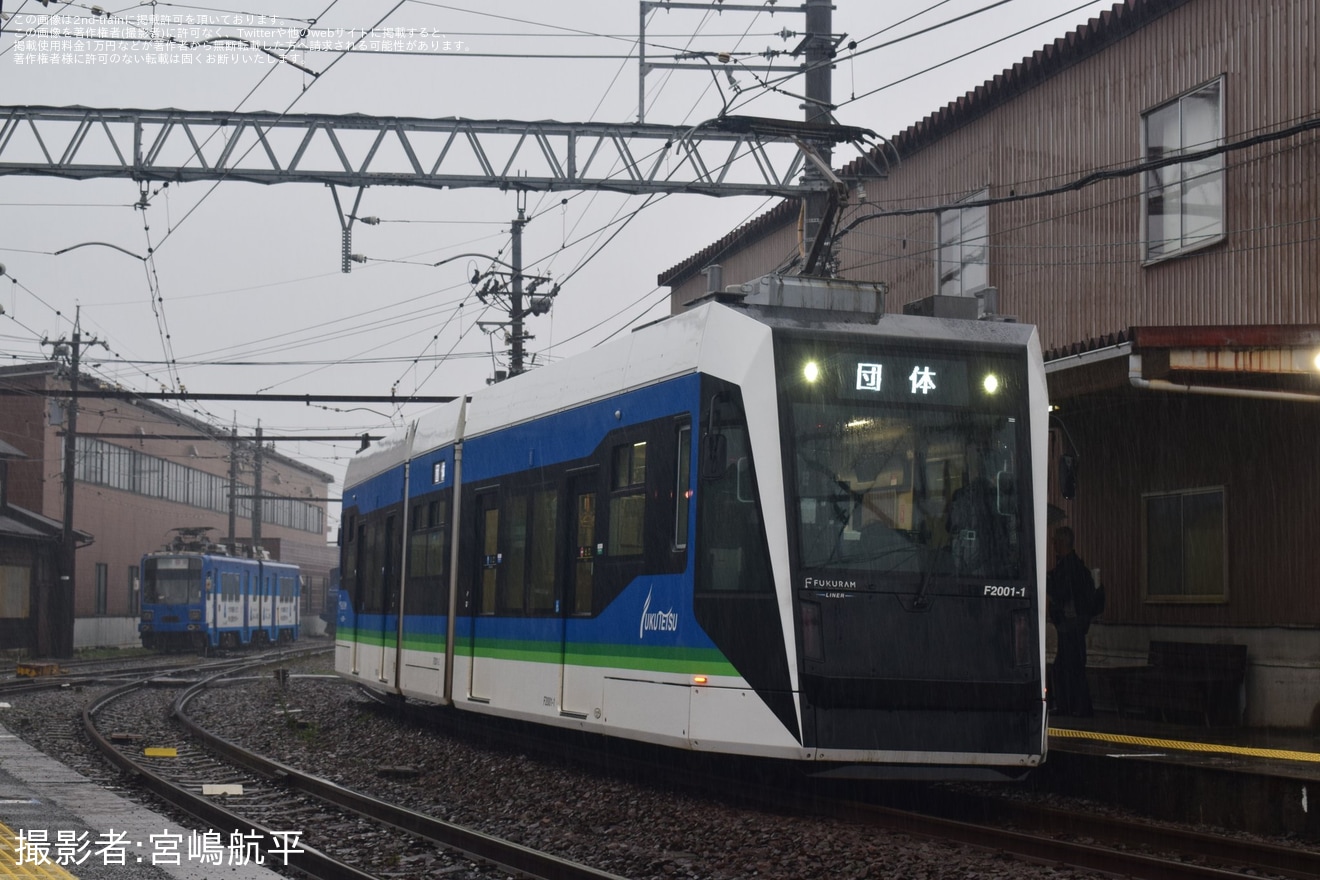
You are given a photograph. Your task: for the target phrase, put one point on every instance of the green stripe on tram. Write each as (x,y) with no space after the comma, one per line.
(707,661)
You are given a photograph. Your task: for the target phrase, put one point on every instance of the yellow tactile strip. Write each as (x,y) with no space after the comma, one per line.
(1182,745)
(14,863)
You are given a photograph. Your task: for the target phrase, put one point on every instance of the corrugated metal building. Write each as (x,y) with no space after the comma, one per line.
(129,494)
(1146,190)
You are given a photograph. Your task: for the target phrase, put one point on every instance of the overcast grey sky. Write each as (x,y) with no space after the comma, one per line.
(244,291)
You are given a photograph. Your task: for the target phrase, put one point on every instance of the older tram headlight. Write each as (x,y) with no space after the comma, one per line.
(148,615)
(990,383)
(194,614)
(811,371)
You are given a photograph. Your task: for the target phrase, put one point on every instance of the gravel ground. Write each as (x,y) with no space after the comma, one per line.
(585,814)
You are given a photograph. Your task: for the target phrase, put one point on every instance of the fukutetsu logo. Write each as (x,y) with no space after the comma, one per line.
(656,621)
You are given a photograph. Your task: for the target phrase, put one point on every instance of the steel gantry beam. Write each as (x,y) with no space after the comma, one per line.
(725,157)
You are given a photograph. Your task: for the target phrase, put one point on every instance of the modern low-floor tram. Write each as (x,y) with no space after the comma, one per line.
(735,531)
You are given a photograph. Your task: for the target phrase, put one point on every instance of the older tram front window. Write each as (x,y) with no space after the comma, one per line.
(173,581)
(916,476)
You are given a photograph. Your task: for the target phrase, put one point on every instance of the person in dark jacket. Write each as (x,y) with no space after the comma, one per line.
(1070,598)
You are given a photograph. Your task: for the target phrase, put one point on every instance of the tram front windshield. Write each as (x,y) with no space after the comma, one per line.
(172,581)
(907,462)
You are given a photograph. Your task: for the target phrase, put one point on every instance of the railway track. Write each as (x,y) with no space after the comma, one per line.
(76,673)
(1086,840)
(1076,838)
(960,822)
(263,796)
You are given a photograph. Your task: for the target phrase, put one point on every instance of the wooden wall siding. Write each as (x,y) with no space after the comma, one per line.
(25,431)
(1072,263)
(742,264)
(1141,442)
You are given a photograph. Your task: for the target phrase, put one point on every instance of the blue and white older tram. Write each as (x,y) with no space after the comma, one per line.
(742,529)
(196,596)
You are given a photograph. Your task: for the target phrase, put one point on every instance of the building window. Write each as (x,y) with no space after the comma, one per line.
(1183,204)
(130,470)
(102,588)
(1183,546)
(962,262)
(15,591)
(134,591)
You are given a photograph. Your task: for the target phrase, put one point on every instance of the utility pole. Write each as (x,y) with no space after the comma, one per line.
(58,627)
(256,497)
(516,296)
(819,52)
(233,490)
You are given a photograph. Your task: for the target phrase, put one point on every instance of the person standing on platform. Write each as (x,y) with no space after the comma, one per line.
(1070,598)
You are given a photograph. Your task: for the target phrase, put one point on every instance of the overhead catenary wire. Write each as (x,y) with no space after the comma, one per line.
(578,240)
(769,83)
(1112,173)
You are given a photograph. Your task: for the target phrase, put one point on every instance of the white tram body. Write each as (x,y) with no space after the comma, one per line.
(741,529)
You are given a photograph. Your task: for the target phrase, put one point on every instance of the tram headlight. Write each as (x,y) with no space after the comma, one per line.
(148,615)
(194,614)
(811,371)
(990,383)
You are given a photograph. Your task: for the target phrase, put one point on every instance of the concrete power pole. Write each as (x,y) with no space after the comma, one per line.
(233,491)
(516,297)
(62,606)
(818,55)
(255,550)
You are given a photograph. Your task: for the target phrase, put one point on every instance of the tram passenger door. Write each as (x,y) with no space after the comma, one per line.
(355,590)
(580,685)
(263,605)
(488,571)
(389,602)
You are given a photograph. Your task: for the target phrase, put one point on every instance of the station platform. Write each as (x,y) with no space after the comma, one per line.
(57,824)
(1262,781)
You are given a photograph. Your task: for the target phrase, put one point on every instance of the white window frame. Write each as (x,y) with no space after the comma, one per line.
(1204,176)
(957,252)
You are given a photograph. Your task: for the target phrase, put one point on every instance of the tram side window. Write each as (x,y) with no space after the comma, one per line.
(734,556)
(375,552)
(348,555)
(529,573)
(628,499)
(682,486)
(231,586)
(428,550)
(541,559)
(512,595)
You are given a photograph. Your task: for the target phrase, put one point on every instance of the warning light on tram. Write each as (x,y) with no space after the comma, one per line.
(698,679)
(990,383)
(811,372)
